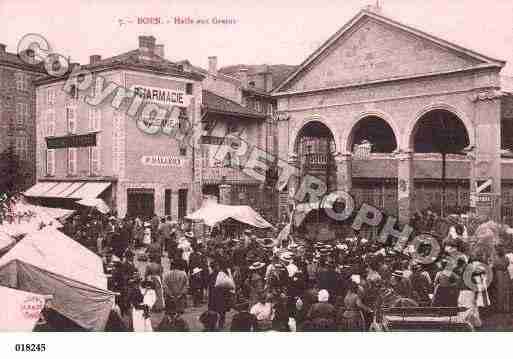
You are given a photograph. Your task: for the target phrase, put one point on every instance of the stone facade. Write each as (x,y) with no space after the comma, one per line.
(377,67)
(18,112)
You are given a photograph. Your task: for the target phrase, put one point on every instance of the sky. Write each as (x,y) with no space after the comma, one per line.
(265,31)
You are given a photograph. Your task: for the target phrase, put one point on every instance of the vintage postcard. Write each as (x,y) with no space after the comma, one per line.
(270,166)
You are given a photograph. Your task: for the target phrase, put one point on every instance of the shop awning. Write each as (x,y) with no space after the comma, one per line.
(90,190)
(63,189)
(39,188)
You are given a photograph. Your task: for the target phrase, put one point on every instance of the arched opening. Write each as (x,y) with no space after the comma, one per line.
(315,146)
(443,186)
(440,131)
(375,131)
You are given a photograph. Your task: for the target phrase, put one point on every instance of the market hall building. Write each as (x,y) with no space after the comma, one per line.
(411,96)
(88,151)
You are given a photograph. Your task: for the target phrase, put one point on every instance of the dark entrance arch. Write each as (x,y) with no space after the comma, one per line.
(315,146)
(442,186)
(376,131)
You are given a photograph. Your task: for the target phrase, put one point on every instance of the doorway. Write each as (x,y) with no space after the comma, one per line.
(140,202)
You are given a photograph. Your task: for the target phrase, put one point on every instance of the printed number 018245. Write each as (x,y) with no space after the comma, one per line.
(30,347)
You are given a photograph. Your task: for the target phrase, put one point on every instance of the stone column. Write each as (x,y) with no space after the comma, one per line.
(159,200)
(344,172)
(174,205)
(294,178)
(405,186)
(225,193)
(121,199)
(487,166)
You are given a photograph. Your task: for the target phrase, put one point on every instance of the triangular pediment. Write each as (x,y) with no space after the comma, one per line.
(374,48)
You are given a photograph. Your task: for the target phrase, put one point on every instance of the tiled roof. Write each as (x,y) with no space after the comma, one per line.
(139,60)
(278,72)
(8,58)
(218,104)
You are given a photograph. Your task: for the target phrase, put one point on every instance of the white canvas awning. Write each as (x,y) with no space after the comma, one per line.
(20,309)
(212,213)
(90,190)
(64,189)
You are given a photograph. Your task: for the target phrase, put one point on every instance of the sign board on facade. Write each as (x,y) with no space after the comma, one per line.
(161,96)
(87,140)
(163,161)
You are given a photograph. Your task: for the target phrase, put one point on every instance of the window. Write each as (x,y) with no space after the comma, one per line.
(50,162)
(50,124)
(21,81)
(21,147)
(182,203)
(50,96)
(20,118)
(258,106)
(95,117)
(22,113)
(71,119)
(188,89)
(94,160)
(232,128)
(72,161)
(183,151)
(73,92)
(167,202)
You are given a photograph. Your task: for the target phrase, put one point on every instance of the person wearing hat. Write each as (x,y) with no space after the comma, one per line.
(263,311)
(176,285)
(256,282)
(197,286)
(243,320)
(172,321)
(209,319)
(322,309)
(421,285)
(350,316)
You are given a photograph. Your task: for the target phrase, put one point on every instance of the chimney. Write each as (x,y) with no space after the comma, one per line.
(243,76)
(2,49)
(159,50)
(147,43)
(93,59)
(212,65)
(268,80)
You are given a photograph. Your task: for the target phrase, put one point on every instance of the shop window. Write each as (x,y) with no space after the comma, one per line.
(167,202)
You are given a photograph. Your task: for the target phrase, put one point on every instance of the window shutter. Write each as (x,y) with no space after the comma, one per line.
(50,124)
(72,161)
(98,120)
(95,161)
(50,162)
(72,121)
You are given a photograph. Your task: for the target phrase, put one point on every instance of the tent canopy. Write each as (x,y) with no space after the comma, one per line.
(12,316)
(5,240)
(30,217)
(49,262)
(53,251)
(213,213)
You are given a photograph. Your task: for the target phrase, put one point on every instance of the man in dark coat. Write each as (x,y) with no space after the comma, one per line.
(243,320)
(328,279)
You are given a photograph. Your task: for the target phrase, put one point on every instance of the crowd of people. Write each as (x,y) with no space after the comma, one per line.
(300,284)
